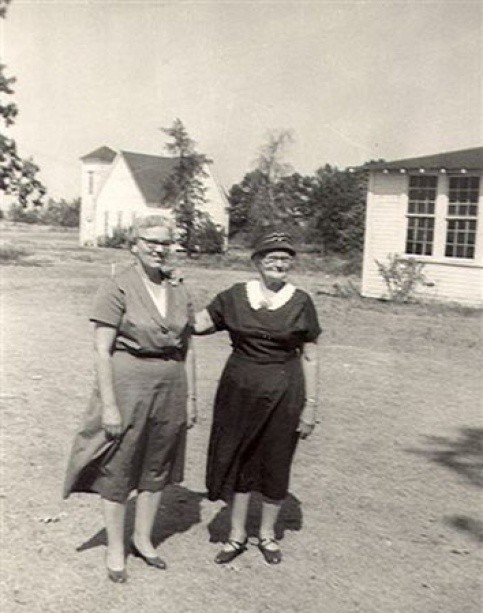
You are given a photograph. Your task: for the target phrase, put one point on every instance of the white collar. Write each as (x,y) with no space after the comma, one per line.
(257,299)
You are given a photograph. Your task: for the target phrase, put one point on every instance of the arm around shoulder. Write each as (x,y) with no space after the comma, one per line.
(203,323)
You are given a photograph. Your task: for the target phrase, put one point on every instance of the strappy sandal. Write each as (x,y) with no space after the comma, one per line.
(223,557)
(272,556)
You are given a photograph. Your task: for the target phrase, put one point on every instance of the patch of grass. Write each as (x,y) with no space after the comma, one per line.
(84,257)
(35,262)
(239,259)
(11,254)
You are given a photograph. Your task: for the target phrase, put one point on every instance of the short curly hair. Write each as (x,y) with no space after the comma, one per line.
(150,220)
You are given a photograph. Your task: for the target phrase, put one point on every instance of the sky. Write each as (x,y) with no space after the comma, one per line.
(353,81)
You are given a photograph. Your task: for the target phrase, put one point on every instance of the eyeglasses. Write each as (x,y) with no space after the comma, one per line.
(154,244)
(273,259)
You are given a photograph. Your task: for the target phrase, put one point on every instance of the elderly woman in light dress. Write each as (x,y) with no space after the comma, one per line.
(133,435)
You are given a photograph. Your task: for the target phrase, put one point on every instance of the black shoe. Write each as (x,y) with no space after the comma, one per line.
(272,556)
(223,557)
(155,561)
(117,576)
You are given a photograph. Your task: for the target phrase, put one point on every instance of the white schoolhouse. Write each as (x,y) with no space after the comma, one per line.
(118,185)
(428,208)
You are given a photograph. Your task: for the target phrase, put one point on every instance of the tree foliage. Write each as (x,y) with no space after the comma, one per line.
(18,176)
(184,188)
(243,199)
(267,209)
(268,196)
(55,213)
(3,7)
(326,209)
(338,204)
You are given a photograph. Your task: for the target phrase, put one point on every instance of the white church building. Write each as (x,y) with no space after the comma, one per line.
(119,185)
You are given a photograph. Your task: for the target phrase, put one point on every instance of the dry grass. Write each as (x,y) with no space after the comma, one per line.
(384,514)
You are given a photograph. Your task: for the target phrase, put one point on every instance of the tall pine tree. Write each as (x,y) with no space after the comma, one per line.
(184,187)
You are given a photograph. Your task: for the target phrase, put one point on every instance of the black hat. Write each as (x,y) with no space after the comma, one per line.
(273,241)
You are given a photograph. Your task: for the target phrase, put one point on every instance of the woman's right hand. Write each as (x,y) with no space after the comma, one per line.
(112,422)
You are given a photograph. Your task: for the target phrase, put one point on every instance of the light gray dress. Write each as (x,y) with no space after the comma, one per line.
(150,386)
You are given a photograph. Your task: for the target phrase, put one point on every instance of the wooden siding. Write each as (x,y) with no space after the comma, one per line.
(94,175)
(216,203)
(120,194)
(385,227)
(452,280)
(453,283)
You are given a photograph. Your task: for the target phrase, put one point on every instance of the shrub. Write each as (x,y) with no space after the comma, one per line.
(54,213)
(119,239)
(208,237)
(20,214)
(402,277)
(10,253)
(61,213)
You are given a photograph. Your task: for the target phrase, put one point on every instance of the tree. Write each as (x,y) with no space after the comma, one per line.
(338,202)
(184,187)
(243,198)
(292,195)
(267,210)
(55,213)
(265,197)
(17,175)
(3,7)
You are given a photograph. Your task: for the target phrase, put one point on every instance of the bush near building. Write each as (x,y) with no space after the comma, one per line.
(62,213)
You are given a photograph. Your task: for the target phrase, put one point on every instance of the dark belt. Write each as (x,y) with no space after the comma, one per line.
(175,355)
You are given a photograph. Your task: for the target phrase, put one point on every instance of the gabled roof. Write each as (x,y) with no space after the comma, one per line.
(467,159)
(150,172)
(103,154)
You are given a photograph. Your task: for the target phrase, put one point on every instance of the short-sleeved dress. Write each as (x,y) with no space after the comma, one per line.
(150,387)
(260,395)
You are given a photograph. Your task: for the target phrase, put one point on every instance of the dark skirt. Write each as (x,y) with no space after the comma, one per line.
(254,431)
(151,395)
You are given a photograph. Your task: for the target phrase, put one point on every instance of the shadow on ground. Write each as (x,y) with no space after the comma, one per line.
(178,512)
(290,518)
(464,455)
(468,525)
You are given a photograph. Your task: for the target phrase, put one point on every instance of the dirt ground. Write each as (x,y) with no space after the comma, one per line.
(385,510)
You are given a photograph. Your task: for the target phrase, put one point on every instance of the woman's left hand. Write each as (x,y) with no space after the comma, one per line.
(305,429)
(192,412)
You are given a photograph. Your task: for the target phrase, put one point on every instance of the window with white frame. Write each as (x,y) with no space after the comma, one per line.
(420,215)
(463,196)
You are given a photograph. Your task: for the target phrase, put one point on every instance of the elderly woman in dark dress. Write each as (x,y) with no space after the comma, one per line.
(134,432)
(267,396)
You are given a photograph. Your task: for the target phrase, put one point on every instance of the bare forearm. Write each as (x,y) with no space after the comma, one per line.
(310,365)
(191,371)
(105,379)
